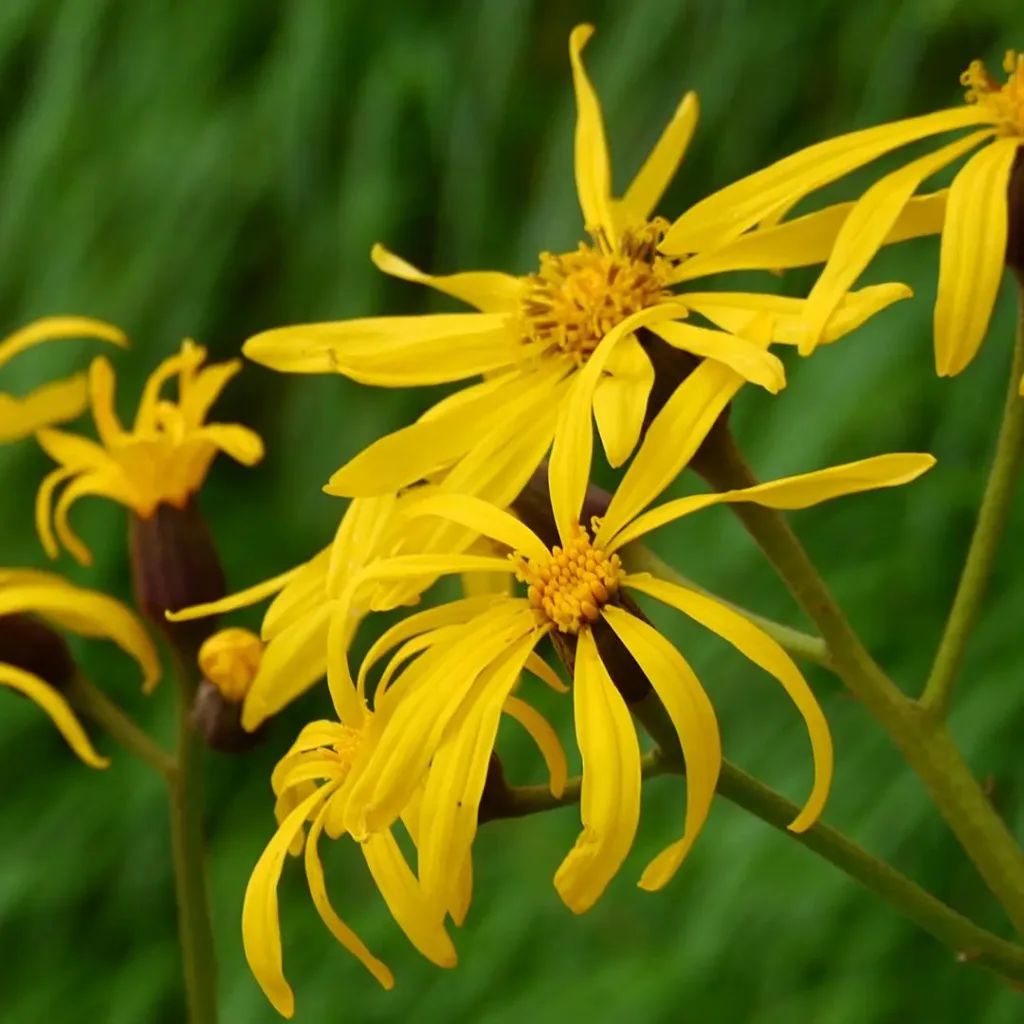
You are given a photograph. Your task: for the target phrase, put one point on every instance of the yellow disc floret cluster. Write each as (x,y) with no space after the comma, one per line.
(576,298)
(570,588)
(231,660)
(1006,100)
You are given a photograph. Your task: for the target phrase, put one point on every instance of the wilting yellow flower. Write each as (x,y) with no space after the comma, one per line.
(312,783)
(442,709)
(164,457)
(974,234)
(58,401)
(533,333)
(81,611)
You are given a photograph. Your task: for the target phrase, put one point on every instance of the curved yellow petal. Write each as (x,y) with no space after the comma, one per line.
(57,328)
(690,710)
(46,697)
(543,734)
(73,451)
(750,360)
(240,443)
(261,928)
(647,188)
(44,508)
(610,798)
(972,255)
(672,438)
(196,397)
(102,386)
(545,673)
(866,228)
(322,902)
(348,705)
(791,492)
(620,400)
(104,484)
(728,213)
(233,602)
(593,166)
(489,290)
(763,651)
(55,402)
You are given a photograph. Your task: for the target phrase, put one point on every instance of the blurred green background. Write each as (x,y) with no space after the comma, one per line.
(212,169)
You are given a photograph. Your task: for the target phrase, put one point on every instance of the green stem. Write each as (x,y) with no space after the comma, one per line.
(639,558)
(95,704)
(922,739)
(992,516)
(187,849)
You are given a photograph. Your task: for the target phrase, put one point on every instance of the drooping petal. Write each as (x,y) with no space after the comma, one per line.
(610,798)
(240,443)
(647,188)
(620,399)
(791,492)
(56,328)
(103,484)
(751,361)
(728,213)
(762,650)
(672,438)
(489,290)
(866,228)
(46,697)
(54,402)
(972,255)
(233,602)
(543,734)
(690,710)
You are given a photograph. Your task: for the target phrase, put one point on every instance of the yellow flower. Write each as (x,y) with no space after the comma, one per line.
(164,457)
(86,613)
(230,660)
(975,228)
(532,334)
(442,709)
(58,401)
(312,784)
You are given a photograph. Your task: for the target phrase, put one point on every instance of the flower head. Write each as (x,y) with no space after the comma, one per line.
(163,459)
(974,222)
(81,611)
(56,402)
(533,334)
(231,659)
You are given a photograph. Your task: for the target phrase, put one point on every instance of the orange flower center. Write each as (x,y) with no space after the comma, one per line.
(573,584)
(576,298)
(1005,101)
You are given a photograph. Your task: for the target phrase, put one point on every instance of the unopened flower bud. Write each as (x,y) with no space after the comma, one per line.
(229,661)
(32,646)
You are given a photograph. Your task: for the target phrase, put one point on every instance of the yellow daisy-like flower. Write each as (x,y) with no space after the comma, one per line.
(532,334)
(164,458)
(312,783)
(81,611)
(442,710)
(58,401)
(975,229)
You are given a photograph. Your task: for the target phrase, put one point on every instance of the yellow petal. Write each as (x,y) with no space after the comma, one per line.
(89,614)
(573,446)
(237,442)
(233,602)
(762,650)
(972,255)
(348,704)
(543,734)
(751,361)
(726,214)
(101,394)
(408,906)
(791,492)
(338,928)
(196,397)
(866,228)
(690,710)
(359,537)
(545,673)
(593,167)
(809,239)
(610,798)
(647,188)
(47,698)
(55,328)
(672,438)
(187,358)
(261,928)
(488,290)
(55,402)
(103,484)
(620,400)
(463,892)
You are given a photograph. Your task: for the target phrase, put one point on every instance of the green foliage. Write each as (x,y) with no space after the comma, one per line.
(214,169)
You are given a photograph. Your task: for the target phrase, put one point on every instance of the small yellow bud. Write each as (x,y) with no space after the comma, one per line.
(230,660)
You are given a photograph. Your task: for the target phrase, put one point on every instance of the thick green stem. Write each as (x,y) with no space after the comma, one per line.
(992,516)
(96,705)
(922,739)
(639,558)
(187,847)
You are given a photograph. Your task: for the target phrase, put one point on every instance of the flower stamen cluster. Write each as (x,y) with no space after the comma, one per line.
(571,587)
(1006,101)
